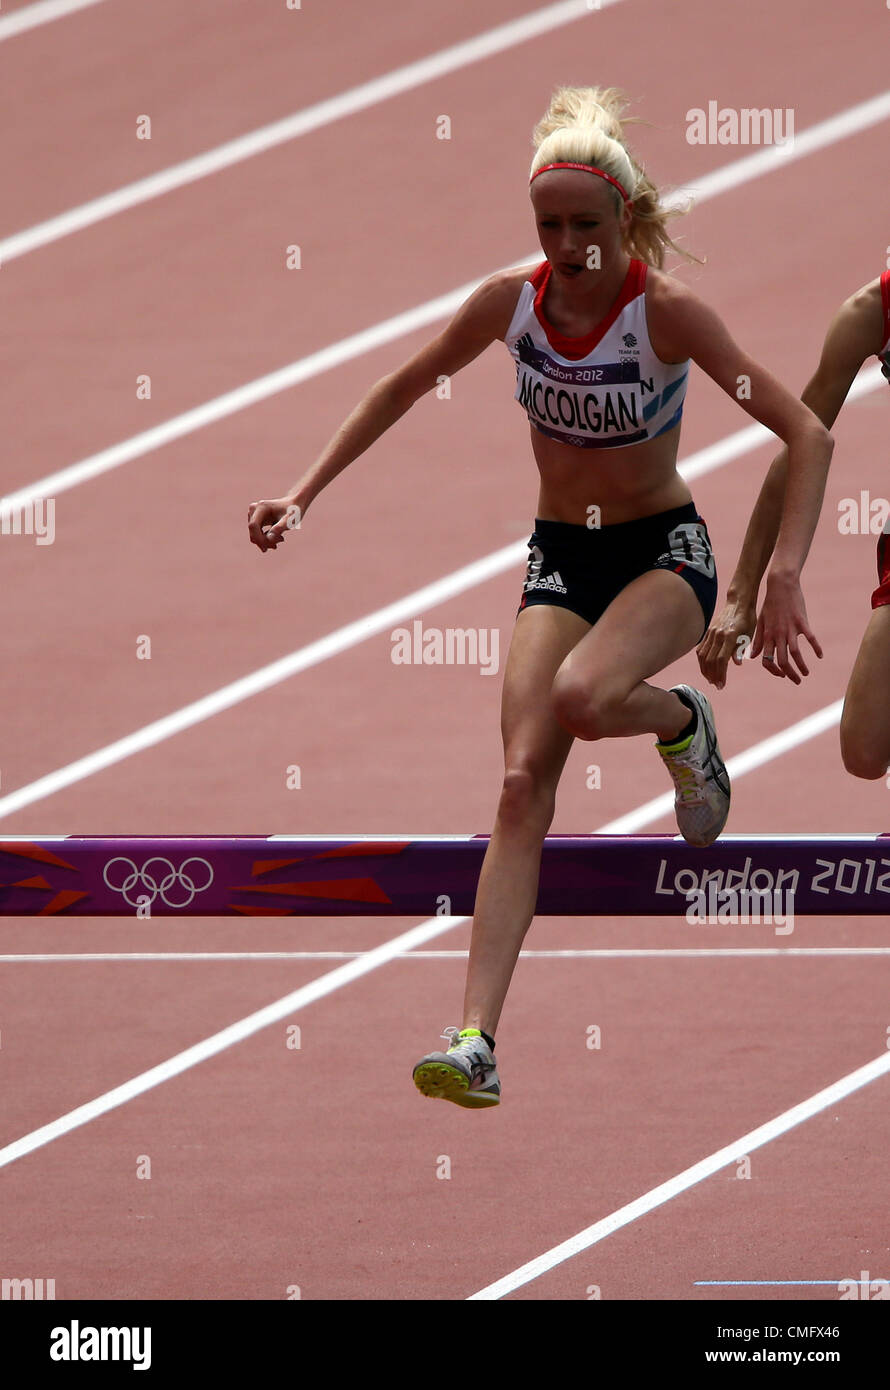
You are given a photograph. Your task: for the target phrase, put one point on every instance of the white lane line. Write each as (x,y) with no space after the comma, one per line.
(237,1032)
(360,630)
(228,1037)
(711,185)
(323,649)
(187,716)
(853,121)
(704,461)
(477,572)
(257,142)
(304,369)
(44,12)
(595,953)
(706,1168)
(827,837)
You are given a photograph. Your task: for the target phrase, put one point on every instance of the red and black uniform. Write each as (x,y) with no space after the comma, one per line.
(881,595)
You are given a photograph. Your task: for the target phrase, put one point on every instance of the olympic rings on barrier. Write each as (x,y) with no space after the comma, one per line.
(157,877)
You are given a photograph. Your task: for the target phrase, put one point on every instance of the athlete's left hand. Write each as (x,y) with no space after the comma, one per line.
(782,621)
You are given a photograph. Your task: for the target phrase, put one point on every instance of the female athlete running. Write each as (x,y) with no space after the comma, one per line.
(860,329)
(621,579)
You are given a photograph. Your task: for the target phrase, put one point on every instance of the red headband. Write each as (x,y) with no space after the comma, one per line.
(588,168)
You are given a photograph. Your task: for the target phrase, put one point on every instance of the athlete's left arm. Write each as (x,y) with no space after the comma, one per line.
(683,326)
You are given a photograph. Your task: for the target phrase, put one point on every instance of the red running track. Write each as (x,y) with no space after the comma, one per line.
(273,1166)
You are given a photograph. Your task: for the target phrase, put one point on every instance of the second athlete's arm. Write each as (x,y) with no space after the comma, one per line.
(853,336)
(691,328)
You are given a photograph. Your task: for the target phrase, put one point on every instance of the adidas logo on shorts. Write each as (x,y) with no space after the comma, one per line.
(552,582)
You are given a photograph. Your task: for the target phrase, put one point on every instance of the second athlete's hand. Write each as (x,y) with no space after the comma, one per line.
(268,522)
(730,635)
(782,621)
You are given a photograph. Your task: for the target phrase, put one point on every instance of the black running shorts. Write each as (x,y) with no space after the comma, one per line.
(584,569)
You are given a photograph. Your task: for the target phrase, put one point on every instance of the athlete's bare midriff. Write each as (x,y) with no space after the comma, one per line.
(625,484)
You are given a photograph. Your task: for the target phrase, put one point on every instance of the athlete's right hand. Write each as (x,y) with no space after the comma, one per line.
(731,635)
(268,522)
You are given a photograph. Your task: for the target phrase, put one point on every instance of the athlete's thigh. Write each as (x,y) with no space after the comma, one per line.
(867,701)
(655,620)
(542,638)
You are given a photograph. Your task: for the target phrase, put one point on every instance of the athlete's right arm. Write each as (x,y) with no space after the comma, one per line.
(482,319)
(853,336)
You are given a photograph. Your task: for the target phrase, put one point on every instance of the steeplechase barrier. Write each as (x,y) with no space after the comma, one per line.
(386,876)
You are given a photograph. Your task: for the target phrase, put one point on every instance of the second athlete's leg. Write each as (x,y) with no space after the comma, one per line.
(865,722)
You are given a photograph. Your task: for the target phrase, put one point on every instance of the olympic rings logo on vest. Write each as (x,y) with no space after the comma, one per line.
(158,878)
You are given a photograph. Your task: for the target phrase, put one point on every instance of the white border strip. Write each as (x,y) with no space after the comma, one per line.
(795,837)
(594,953)
(706,1168)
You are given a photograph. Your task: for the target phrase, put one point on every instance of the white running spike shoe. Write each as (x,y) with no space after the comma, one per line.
(465,1074)
(699,773)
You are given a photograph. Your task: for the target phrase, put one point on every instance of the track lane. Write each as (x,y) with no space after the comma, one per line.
(203,79)
(419,778)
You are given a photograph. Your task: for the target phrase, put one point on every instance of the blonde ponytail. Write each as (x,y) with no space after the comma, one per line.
(585,125)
